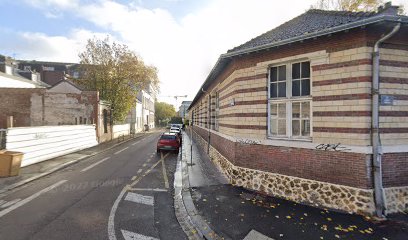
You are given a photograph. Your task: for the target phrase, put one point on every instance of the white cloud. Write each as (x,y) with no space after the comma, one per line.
(185,51)
(39,46)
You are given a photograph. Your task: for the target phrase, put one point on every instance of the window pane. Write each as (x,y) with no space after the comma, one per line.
(306,87)
(274,90)
(296,110)
(295,127)
(296,71)
(306,110)
(274,110)
(305,128)
(282,110)
(274,74)
(282,73)
(305,69)
(281,127)
(296,88)
(282,89)
(274,126)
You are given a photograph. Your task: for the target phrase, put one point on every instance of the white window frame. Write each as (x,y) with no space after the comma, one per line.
(288,100)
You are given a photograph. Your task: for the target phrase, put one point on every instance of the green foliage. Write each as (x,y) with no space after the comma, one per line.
(348,5)
(163,112)
(176,120)
(116,72)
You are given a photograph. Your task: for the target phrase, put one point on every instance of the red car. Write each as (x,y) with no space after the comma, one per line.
(168,141)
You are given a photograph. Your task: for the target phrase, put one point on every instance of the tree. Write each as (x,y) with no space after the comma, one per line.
(116,72)
(348,5)
(163,112)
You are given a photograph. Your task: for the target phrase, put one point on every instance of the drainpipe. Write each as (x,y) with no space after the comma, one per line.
(375,134)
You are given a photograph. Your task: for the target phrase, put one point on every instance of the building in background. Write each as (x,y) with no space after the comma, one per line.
(291,113)
(12,77)
(183,110)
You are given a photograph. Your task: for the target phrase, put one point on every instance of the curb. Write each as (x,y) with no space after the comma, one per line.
(184,203)
(64,165)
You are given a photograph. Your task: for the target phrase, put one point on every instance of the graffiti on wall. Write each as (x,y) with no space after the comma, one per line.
(331,147)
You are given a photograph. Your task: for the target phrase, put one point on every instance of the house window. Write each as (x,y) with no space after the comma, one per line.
(289,101)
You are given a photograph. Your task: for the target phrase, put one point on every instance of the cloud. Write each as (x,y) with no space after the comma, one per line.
(39,46)
(183,48)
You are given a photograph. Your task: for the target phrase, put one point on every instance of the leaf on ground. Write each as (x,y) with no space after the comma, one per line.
(329,219)
(288,217)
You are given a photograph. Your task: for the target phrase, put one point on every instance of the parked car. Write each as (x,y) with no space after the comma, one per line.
(177,131)
(169,141)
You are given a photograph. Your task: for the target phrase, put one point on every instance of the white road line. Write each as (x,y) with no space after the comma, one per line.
(30,198)
(133,144)
(111,221)
(166,179)
(133,178)
(121,150)
(144,165)
(93,165)
(8,204)
(139,171)
(135,236)
(148,189)
(138,198)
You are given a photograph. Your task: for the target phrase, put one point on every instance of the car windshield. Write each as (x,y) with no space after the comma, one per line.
(168,137)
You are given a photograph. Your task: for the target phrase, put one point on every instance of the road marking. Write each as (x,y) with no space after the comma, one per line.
(144,165)
(8,204)
(138,198)
(135,236)
(133,144)
(139,171)
(166,179)
(111,221)
(30,198)
(254,235)
(148,171)
(148,189)
(133,178)
(93,165)
(2,202)
(148,160)
(121,150)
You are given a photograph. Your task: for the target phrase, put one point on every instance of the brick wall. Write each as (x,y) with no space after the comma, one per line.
(16,102)
(37,107)
(350,169)
(395,169)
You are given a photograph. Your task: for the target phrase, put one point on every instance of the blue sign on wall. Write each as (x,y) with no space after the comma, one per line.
(386,100)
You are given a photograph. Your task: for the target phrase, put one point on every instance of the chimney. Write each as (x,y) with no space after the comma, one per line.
(388,9)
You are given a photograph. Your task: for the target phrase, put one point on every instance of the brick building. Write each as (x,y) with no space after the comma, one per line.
(289,113)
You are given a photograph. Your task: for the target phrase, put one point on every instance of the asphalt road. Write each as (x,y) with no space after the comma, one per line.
(123,193)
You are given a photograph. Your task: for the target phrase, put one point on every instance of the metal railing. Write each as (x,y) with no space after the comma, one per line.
(3,139)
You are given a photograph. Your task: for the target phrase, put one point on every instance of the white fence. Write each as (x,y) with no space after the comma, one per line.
(121,130)
(43,143)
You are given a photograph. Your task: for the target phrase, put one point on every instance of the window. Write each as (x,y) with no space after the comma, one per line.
(289,101)
(217,111)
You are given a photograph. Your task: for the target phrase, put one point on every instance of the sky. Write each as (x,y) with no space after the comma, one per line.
(182,38)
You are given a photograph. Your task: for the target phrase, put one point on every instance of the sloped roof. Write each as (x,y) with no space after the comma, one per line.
(311,24)
(38,84)
(311,21)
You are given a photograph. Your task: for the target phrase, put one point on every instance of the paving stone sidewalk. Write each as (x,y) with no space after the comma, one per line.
(236,213)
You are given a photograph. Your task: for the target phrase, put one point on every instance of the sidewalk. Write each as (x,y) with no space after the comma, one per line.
(230,212)
(38,170)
